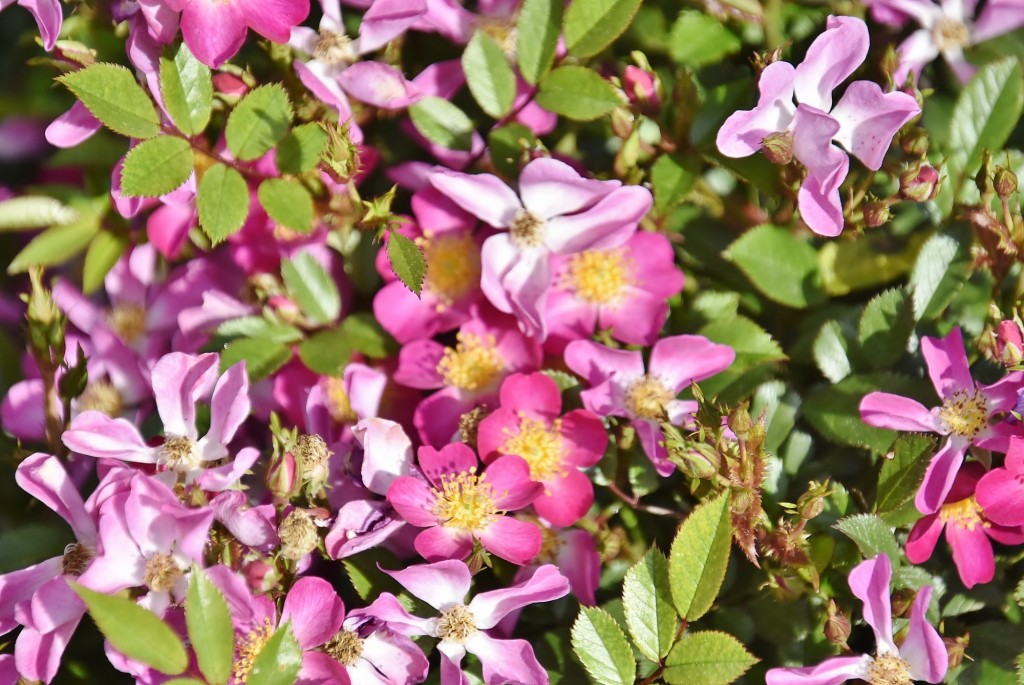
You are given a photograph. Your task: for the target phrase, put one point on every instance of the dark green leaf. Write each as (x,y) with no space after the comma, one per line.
(104,251)
(488,75)
(288,203)
(262,357)
(671,182)
(872,535)
(537,29)
(326,352)
(156,166)
(885,328)
(311,287)
(299,150)
(259,327)
(258,122)
(509,146)
(209,628)
(602,648)
(592,25)
(279,662)
(406,261)
(647,600)
(700,556)
(941,269)
(364,334)
(781,266)
(187,89)
(707,657)
(442,123)
(223,202)
(901,476)
(111,93)
(830,352)
(698,39)
(577,93)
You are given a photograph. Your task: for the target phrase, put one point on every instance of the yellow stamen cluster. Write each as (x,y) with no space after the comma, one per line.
(965,514)
(540,445)
(950,34)
(599,277)
(248,648)
(465,501)
(128,321)
(503,31)
(889,669)
(527,230)
(453,266)
(162,572)
(473,364)
(339,405)
(965,413)
(647,398)
(180,454)
(101,395)
(346,647)
(334,49)
(456,624)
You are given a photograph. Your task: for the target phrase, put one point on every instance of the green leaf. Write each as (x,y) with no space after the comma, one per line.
(262,357)
(280,660)
(509,145)
(223,202)
(671,182)
(258,122)
(941,269)
(407,261)
(442,123)
(830,352)
(700,556)
(865,263)
(299,150)
(564,381)
(209,628)
(488,75)
(288,203)
(781,266)
(259,327)
(537,29)
(312,288)
(647,600)
(33,211)
(984,116)
(885,328)
(104,251)
(187,89)
(602,648)
(156,166)
(55,245)
(902,475)
(592,25)
(707,657)
(364,334)
(698,39)
(326,352)
(754,348)
(111,93)
(136,632)
(577,93)
(872,535)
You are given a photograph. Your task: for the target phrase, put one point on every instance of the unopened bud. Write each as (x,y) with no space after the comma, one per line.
(623,122)
(298,535)
(812,502)
(641,88)
(740,423)
(778,148)
(1009,343)
(891,62)
(919,183)
(915,142)
(340,155)
(956,648)
(902,600)
(1004,181)
(281,480)
(702,461)
(876,213)
(837,626)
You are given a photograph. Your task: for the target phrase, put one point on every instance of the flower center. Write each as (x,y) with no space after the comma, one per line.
(180,454)
(473,364)
(950,34)
(965,413)
(339,405)
(465,501)
(646,398)
(162,572)
(527,229)
(549,546)
(456,624)
(965,514)
(599,276)
(334,49)
(298,535)
(502,30)
(540,445)
(311,452)
(76,558)
(345,646)
(128,321)
(889,669)
(248,648)
(453,266)
(101,395)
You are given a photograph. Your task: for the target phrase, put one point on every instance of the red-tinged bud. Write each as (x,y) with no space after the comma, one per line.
(919,183)
(285,308)
(1009,343)
(229,84)
(837,626)
(1005,182)
(281,478)
(956,648)
(641,88)
(778,148)
(902,600)
(876,213)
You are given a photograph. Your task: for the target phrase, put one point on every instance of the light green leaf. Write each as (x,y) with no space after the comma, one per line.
(156,166)
(209,628)
(104,251)
(288,203)
(830,352)
(312,288)
(407,261)
(602,648)
(698,39)
(55,245)
(902,475)
(537,29)
(940,271)
(258,122)
(111,93)
(647,600)
(299,150)
(885,328)
(707,657)
(326,352)
(754,348)
(262,357)
(872,535)
(577,93)
(564,381)
(364,334)
(34,211)
(700,556)
(187,89)
(488,75)
(259,327)
(442,123)
(592,25)
(136,632)
(671,182)
(223,202)
(781,266)
(280,660)
(865,263)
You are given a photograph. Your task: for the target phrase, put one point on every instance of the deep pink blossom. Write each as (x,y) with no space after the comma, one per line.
(49,15)
(214,30)
(1001,491)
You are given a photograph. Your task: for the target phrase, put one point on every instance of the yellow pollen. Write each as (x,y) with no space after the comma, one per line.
(128,321)
(647,398)
(453,266)
(950,34)
(456,624)
(540,445)
(889,669)
(549,546)
(965,514)
(334,49)
(503,31)
(473,364)
(101,395)
(248,648)
(965,413)
(339,406)
(527,230)
(162,572)
(180,454)
(465,501)
(346,647)
(599,276)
